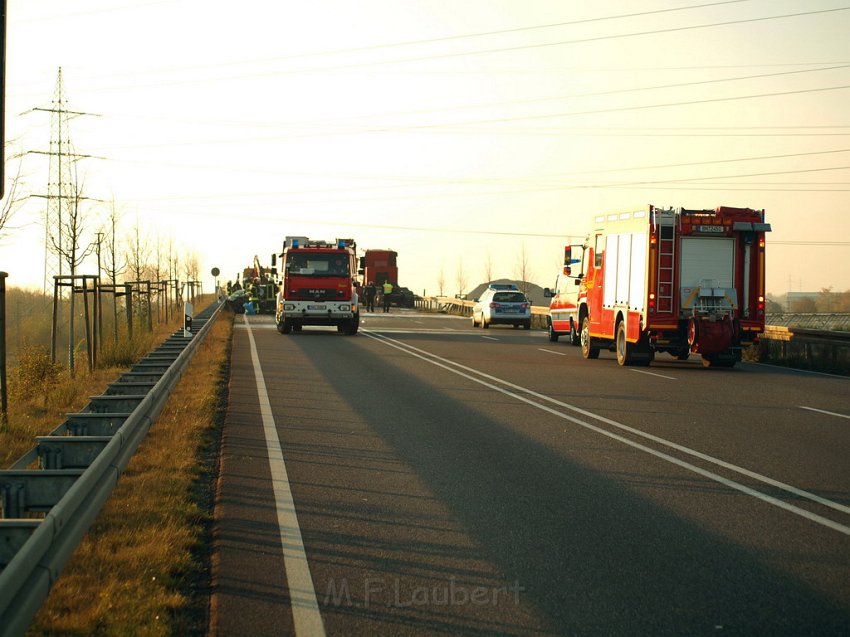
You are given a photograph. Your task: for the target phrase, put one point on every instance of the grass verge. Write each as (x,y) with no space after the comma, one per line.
(143,567)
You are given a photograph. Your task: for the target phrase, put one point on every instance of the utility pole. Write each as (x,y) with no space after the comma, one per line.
(2,101)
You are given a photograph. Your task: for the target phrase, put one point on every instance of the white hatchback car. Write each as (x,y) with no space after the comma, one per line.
(502,304)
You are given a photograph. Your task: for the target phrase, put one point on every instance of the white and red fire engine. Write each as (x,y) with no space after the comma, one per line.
(663,280)
(318,285)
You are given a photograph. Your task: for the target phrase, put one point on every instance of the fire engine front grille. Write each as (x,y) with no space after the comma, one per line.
(317,294)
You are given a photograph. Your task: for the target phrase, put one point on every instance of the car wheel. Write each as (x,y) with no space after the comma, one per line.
(575,337)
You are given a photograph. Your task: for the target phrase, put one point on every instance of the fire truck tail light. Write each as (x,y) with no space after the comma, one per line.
(761,243)
(653,240)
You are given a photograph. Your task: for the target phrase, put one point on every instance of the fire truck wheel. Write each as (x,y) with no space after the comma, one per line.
(352,327)
(588,350)
(625,350)
(575,337)
(553,335)
(284,327)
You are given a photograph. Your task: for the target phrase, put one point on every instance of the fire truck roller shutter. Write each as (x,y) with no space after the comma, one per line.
(707,259)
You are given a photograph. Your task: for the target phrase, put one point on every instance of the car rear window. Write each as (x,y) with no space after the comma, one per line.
(509,297)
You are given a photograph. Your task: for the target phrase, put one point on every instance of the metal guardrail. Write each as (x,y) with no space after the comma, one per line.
(811,320)
(81,461)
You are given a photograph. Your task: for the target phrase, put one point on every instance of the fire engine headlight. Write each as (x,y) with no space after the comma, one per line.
(344,308)
(288,307)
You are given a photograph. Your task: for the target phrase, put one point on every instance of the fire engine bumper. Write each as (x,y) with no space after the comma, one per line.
(316,313)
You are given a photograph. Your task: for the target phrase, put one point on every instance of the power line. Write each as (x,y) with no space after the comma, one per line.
(408,43)
(459,53)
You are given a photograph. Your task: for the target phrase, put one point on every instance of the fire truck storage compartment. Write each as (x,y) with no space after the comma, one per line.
(625,270)
(707,262)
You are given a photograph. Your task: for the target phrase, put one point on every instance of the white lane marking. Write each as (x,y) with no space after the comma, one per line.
(821,411)
(549,351)
(490,338)
(446,364)
(643,371)
(305,607)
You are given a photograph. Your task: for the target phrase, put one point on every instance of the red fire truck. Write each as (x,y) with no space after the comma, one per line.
(664,280)
(318,285)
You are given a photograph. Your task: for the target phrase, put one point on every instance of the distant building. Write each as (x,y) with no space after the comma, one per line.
(794,299)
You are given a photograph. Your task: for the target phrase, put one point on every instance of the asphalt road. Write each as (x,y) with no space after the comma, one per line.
(424,477)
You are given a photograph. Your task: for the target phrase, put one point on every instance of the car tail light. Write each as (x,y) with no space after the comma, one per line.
(494,305)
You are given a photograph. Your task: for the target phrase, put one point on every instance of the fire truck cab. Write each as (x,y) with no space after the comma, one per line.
(318,286)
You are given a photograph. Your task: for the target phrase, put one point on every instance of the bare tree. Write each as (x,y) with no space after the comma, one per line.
(441,282)
(66,241)
(138,254)
(460,277)
(488,268)
(12,200)
(523,271)
(115,262)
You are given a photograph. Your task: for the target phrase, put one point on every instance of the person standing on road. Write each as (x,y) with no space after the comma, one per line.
(371,292)
(388,290)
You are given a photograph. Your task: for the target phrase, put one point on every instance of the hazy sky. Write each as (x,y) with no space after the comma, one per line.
(456,132)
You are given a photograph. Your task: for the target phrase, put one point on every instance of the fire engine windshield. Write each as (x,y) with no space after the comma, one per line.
(313,264)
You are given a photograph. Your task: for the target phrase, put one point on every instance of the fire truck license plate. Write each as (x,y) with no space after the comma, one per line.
(317,307)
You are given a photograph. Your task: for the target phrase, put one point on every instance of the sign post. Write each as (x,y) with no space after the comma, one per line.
(187,320)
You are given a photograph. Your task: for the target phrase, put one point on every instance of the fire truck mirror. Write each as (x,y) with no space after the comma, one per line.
(568,253)
(567,270)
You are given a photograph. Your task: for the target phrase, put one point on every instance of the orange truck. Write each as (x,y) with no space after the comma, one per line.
(664,280)
(318,285)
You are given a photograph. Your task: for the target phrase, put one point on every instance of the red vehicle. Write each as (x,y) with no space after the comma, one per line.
(662,280)
(378,266)
(318,285)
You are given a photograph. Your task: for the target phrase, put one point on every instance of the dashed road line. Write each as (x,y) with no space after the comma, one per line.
(643,371)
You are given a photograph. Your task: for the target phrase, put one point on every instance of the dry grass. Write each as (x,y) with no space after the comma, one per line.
(142,569)
(36,408)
